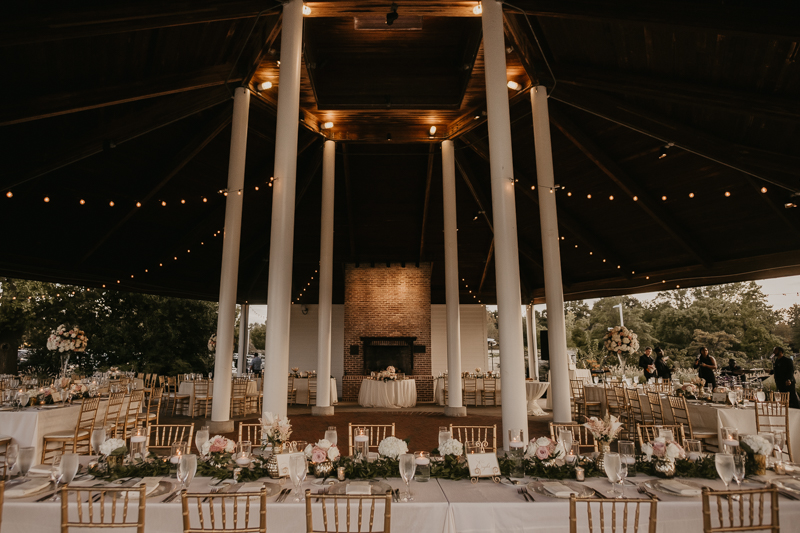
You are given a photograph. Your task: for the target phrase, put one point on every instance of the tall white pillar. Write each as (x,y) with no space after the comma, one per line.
(509,309)
(324,407)
(553,290)
(279,297)
(530,337)
(244,338)
(454,406)
(535,345)
(229,278)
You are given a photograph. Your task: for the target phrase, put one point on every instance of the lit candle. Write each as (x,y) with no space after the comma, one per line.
(138,438)
(515,443)
(628,459)
(694,456)
(243,461)
(175,459)
(361,438)
(422,460)
(730,441)
(571,458)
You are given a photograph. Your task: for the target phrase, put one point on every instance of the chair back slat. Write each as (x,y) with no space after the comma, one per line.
(485,435)
(626,515)
(580,434)
(741,510)
(375,432)
(104,499)
(163,436)
(214,517)
(361,516)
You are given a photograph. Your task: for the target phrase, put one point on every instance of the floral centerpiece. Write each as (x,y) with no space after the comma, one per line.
(664,453)
(621,341)
(687,390)
(757,449)
(114,451)
(275,431)
(605,432)
(392,447)
(66,341)
(212,343)
(390,374)
(218,444)
(451,447)
(322,454)
(45,396)
(544,449)
(78,391)
(296,371)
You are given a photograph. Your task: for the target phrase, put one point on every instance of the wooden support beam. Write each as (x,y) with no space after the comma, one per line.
(161,112)
(351,221)
(378,8)
(308,176)
(628,185)
(265,48)
(486,267)
(208,133)
(426,202)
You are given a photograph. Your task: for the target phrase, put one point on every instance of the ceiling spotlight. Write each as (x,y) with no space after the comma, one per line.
(388,136)
(477,10)
(514,86)
(392,15)
(763,189)
(306,10)
(263,86)
(432,131)
(663,152)
(789,205)
(327,125)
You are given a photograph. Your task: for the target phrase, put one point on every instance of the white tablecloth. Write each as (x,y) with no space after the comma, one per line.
(187,387)
(301,384)
(533,391)
(400,393)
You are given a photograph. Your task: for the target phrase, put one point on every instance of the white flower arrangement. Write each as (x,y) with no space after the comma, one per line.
(276,429)
(663,450)
(64,340)
(323,450)
(392,447)
(757,444)
(605,430)
(218,444)
(621,340)
(212,343)
(112,445)
(544,449)
(451,447)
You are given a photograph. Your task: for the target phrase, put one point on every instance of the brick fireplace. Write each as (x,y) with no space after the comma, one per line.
(387,316)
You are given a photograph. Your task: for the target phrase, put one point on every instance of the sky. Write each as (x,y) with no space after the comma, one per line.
(781,293)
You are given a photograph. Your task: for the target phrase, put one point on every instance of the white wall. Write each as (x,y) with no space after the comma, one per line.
(303,340)
(473,338)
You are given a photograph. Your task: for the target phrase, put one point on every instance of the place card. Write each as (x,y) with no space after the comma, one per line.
(284,463)
(483,465)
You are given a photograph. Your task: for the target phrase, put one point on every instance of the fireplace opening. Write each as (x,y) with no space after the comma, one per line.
(381,352)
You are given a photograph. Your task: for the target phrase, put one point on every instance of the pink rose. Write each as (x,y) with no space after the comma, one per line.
(318,455)
(542,452)
(217,444)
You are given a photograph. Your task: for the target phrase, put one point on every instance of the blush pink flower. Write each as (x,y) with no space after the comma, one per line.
(542,452)
(318,455)
(218,444)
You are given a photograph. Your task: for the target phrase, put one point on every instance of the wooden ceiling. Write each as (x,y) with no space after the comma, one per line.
(675,130)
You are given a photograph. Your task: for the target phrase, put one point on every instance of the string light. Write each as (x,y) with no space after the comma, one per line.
(635,198)
(46,199)
(138,204)
(183,201)
(83,201)
(611,197)
(691,195)
(727,194)
(589,196)
(163,203)
(9,194)
(664,198)
(763,190)
(111,203)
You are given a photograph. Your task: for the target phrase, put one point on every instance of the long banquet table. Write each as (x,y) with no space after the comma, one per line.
(534,390)
(393,394)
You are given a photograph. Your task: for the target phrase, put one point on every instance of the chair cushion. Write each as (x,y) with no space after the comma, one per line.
(66,434)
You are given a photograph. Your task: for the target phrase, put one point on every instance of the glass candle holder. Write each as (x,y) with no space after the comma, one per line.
(423,462)
(361,445)
(177,450)
(472,446)
(730,440)
(694,449)
(138,444)
(627,454)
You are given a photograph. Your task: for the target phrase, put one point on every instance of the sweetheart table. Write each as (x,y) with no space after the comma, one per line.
(397,393)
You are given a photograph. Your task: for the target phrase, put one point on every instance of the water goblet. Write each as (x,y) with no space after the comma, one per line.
(622,474)
(297,469)
(98,438)
(725,467)
(186,469)
(734,399)
(331,435)
(565,438)
(444,435)
(408,467)
(780,440)
(12,454)
(739,471)
(55,474)
(200,438)
(26,456)
(611,462)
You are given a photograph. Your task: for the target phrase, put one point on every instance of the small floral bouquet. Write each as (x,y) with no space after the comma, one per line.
(113,447)
(390,374)
(212,343)
(605,430)
(699,382)
(64,340)
(323,450)
(79,391)
(544,449)
(45,396)
(687,390)
(478,371)
(451,447)
(757,448)
(218,444)
(621,340)
(274,429)
(661,450)
(392,447)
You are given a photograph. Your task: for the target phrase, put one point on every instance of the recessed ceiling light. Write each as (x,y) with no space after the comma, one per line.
(306,10)
(432,131)
(514,86)
(264,86)
(477,10)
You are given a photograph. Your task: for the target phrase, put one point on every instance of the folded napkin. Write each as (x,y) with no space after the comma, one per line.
(41,470)
(254,486)
(150,482)
(559,490)
(791,484)
(677,487)
(26,489)
(359,487)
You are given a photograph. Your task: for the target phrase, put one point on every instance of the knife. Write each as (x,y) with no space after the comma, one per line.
(282,495)
(600,494)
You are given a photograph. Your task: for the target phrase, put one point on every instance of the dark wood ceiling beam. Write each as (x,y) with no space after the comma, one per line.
(668,89)
(515,35)
(711,17)
(351,221)
(69,22)
(308,176)
(426,201)
(628,185)
(208,133)
(62,103)
(360,8)
(486,267)
(162,112)
(264,50)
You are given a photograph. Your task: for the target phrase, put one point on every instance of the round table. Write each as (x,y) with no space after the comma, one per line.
(533,391)
(399,393)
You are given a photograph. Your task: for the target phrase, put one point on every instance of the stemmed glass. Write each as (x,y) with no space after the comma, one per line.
(200,438)
(26,456)
(186,469)
(98,438)
(611,464)
(298,468)
(725,467)
(408,467)
(12,454)
(331,435)
(66,470)
(734,399)
(780,440)
(565,438)
(739,461)
(444,435)
(622,473)
(55,474)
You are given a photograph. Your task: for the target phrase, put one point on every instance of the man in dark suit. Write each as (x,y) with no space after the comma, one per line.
(648,364)
(783,370)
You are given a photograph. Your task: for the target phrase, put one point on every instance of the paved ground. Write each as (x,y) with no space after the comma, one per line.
(420,424)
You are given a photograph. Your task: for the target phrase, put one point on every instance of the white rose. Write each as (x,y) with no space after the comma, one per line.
(392,447)
(333,453)
(451,447)
(647,449)
(542,441)
(324,443)
(110,445)
(230,446)
(308,450)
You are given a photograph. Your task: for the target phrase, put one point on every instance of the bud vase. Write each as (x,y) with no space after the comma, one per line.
(323,469)
(761,464)
(605,447)
(271,464)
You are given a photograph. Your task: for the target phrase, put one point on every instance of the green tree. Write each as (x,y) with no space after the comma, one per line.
(258,336)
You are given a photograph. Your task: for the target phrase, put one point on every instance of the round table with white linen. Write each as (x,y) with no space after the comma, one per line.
(533,391)
(399,393)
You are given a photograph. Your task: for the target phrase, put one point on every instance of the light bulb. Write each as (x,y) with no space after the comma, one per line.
(306,10)
(514,86)
(432,131)
(263,86)
(477,10)
(9,194)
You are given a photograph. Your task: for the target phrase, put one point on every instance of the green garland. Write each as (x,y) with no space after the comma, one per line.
(704,468)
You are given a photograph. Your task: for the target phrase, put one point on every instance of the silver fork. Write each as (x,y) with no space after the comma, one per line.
(525,494)
(641,490)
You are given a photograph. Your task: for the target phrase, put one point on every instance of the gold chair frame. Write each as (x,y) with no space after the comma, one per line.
(756,502)
(680,415)
(648,432)
(219,520)
(202,399)
(250,432)
(162,436)
(376,433)
(615,504)
(476,433)
(312,390)
(348,499)
(85,497)
(489,389)
(81,438)
(766,412)
(580,434)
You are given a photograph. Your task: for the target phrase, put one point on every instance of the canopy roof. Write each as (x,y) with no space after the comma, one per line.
(130,101)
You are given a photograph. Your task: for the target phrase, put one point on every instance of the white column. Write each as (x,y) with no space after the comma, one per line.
(530,337)
(554,293)
(535,345)
(512,363)
(454,403)
(244,338)
(279,296)
(229,278)
(324,407)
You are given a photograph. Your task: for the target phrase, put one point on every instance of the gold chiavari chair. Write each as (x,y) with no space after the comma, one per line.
(346,523)
(4,442)
(781,397)
(753,510)
(480,434)
(489,391)
(771,416)
(375,432)
(113,410)
(2,495)
(97,508)
(238,396)
(469,391)
(625,514)
(312,390)
(175,396)
(680,415)
(446,390)
(255,399)
(581,406)
(153,408)
(291,394)
(78,439)
(202,397)
(656,409)
(129,421)
(251,432)
(215,513)
(580,434)
(163,436)
(635,406)
(648,433)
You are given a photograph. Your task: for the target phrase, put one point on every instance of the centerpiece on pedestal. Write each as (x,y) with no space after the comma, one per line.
(621,341)
(605,432)
(663,453)
(66,341)
(390,374)
(275,431)
(212,343)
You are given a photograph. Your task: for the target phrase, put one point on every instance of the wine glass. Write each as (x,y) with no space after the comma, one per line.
(331,435)
(55,474)
(98,438)
(297,469)
(739,471)
(565,437)
(725,467)
(734,399)
(611,462)
(26,456)
(69,467)
(12,454)
(408,467)
(200,438)
(622,473)
(780,440)
(186,469)
(444,435)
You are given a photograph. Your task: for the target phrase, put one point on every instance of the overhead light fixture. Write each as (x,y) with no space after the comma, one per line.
(477,10)
(388,136)
(663,152)
(432,131)
(477,215)
(392,15)
(306,10)
(514,86)
(263,86)
(789,205)
(327,125)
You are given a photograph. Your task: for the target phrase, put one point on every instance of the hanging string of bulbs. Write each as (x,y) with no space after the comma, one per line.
(307,285)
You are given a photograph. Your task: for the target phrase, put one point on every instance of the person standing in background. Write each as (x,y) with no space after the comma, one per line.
(663,371)
(256,364)
(706,365)
(647,363)
(783,370)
